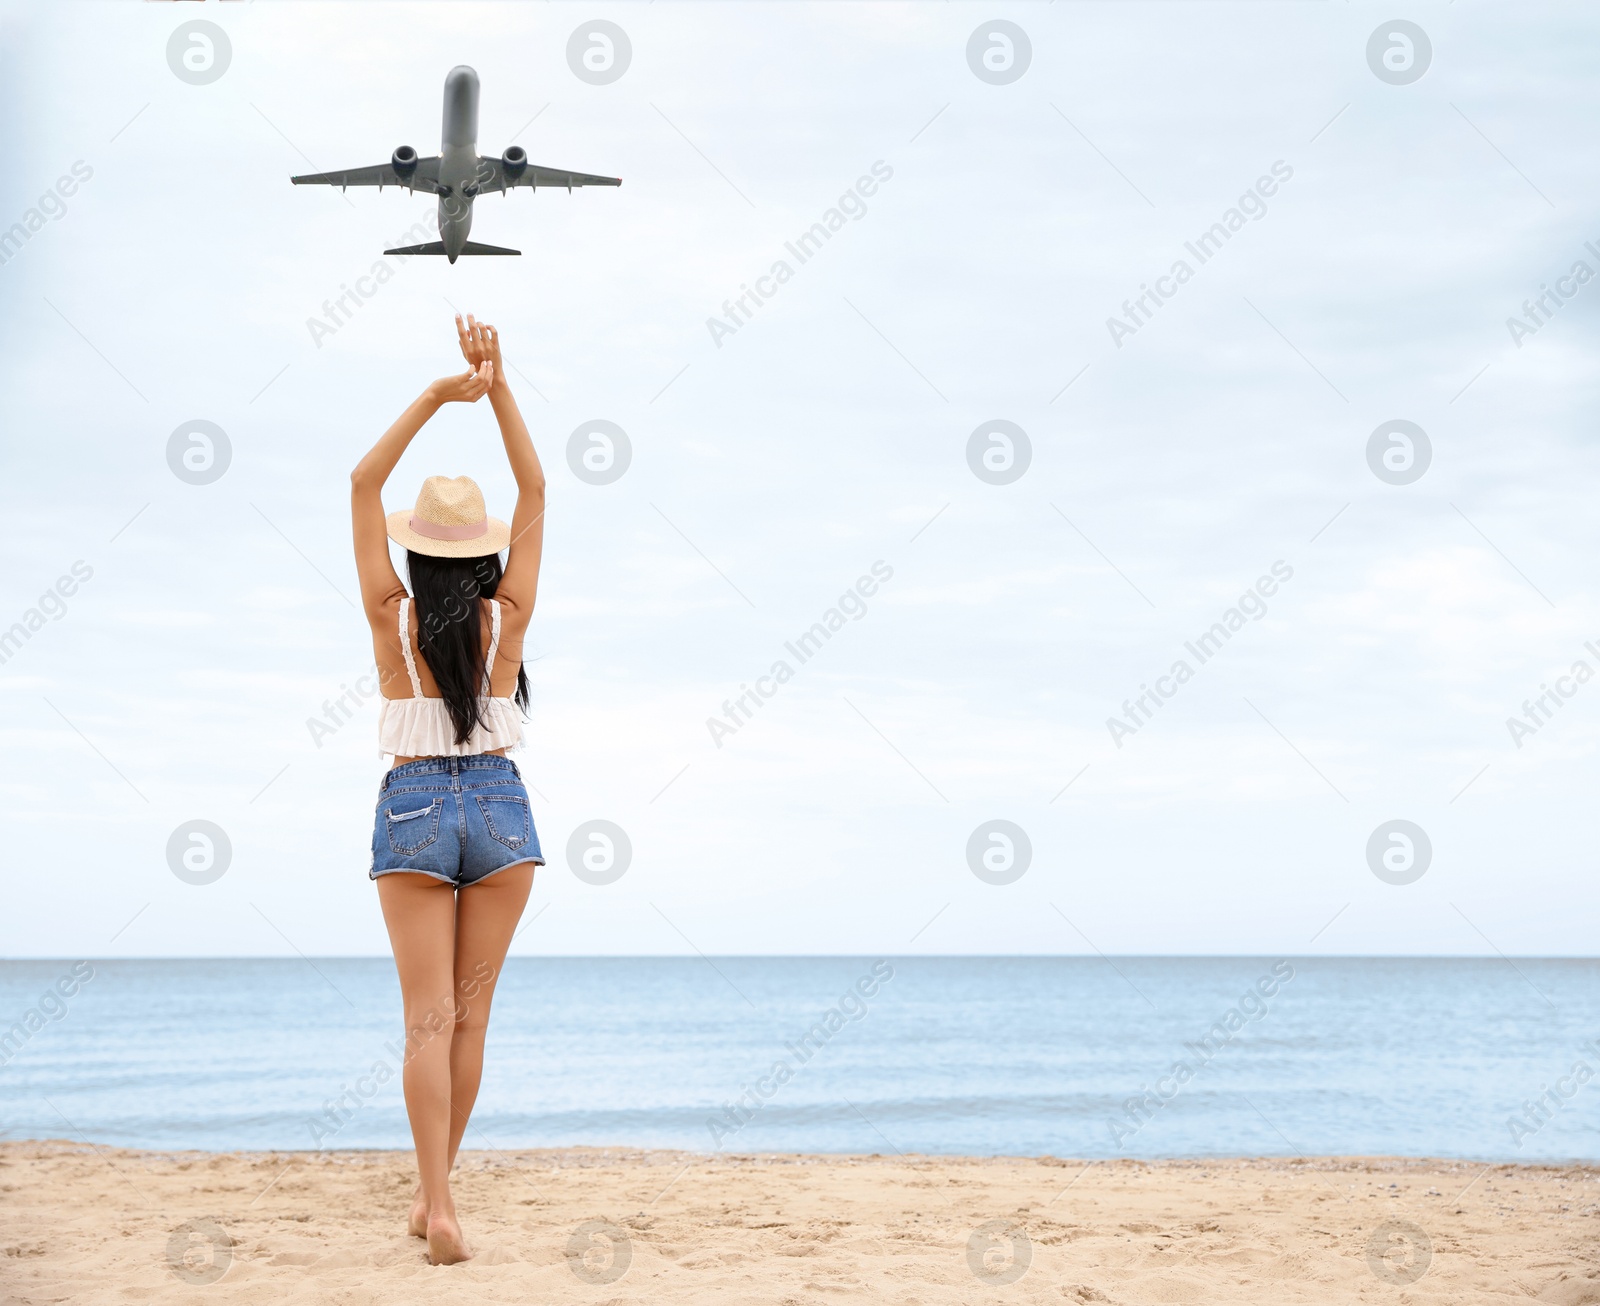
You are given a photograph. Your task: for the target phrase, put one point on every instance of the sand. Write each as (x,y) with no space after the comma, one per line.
(88,1225)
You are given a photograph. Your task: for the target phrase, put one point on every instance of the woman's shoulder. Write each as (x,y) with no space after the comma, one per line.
(512,615)
(383,614)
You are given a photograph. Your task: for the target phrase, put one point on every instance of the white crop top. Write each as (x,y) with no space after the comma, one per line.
(420,726)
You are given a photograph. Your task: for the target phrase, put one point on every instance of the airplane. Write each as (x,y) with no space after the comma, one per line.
(458,175)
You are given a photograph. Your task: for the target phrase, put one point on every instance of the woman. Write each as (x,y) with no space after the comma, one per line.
(453,846)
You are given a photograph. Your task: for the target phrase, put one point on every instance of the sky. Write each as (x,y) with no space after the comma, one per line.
(1035,170)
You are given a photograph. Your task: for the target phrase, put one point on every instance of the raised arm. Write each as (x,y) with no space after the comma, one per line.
(380,586)
(480,344)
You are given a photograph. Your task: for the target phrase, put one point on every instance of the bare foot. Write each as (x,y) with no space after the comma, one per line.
(417,1225)
(446,1246)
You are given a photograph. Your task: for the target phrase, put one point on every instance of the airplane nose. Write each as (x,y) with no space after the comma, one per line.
(461,106)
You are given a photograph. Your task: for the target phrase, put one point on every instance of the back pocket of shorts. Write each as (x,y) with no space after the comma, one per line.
(410,831)
(507,817)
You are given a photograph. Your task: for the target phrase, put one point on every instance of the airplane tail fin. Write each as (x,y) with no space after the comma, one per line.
(437,247)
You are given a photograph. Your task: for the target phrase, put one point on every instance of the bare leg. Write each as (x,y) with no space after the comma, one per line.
(486,918)
(420,913)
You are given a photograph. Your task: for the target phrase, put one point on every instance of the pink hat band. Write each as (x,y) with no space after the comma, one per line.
(434,531)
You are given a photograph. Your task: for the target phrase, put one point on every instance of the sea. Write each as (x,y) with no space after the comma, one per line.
(1077,1057)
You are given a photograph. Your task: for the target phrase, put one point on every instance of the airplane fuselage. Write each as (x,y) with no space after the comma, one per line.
(458,159)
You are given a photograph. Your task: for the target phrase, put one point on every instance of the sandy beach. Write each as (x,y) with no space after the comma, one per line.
(90,1225)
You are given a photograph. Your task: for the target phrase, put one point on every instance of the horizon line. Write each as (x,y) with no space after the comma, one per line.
(828,956)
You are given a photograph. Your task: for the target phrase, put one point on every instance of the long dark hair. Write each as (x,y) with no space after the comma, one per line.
(450,634)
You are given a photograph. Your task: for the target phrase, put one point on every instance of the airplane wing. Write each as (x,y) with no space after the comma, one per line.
(493,176)
(424,177)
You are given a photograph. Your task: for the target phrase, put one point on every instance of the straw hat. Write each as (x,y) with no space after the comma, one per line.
(449,521)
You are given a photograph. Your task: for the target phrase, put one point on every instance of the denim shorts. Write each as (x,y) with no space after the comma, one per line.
(458,819)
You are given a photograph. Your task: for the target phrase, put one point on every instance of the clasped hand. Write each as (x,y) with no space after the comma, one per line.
(480,346)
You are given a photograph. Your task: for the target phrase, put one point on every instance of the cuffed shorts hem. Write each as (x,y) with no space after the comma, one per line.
(445,879)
